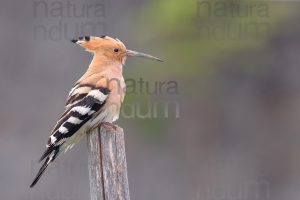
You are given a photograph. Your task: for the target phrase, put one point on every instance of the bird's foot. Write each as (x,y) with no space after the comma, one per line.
(108,125)
(91,129)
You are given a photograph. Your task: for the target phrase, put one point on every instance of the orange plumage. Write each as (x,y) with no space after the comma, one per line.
(95,98)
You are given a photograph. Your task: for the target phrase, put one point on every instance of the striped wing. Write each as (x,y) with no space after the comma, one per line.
(79,111)
(76,115)
(78,92)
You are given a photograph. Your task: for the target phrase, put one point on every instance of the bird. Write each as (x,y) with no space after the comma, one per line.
(95,98)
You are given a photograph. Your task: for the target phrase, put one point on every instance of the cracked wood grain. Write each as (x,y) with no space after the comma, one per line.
(107,164)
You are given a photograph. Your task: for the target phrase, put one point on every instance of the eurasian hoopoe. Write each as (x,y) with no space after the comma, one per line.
(95,98)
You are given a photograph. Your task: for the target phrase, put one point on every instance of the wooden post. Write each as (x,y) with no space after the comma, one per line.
(107,164)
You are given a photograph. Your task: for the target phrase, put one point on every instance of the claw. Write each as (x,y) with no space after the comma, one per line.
(109,125)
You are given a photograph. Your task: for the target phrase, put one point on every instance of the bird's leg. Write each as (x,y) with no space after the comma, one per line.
(91,129)
(108,125)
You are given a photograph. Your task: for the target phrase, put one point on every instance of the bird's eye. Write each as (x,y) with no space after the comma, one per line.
(116,50)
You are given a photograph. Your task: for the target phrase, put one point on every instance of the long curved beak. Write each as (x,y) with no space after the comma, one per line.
(138,54)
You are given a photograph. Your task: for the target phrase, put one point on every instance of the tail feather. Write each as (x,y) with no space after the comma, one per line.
(51,155)
(46,153)
(41,171)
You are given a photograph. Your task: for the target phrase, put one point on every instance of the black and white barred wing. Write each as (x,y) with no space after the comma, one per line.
(78,92)
(77,115)
(70,123)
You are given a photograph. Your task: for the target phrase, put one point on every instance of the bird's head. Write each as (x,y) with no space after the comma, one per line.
(111,48)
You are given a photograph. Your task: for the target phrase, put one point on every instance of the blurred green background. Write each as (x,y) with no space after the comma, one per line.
(223,125)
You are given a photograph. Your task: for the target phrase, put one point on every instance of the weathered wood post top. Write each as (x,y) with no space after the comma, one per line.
(107,164)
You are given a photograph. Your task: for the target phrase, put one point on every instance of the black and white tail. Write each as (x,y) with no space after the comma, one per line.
(50,154)
(67,131)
